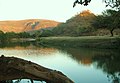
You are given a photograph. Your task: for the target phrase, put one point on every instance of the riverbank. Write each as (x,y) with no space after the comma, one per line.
(102,42)
(23,39)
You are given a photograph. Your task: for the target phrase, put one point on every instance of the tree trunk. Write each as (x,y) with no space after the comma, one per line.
(111,32)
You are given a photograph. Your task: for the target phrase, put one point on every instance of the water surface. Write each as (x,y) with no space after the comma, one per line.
(81,65)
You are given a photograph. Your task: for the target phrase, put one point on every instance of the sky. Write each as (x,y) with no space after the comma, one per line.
(58,10)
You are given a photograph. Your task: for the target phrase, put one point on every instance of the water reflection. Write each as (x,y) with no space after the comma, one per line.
(14,44)
(106,60)
(109,64)
(78,64)
(24,49)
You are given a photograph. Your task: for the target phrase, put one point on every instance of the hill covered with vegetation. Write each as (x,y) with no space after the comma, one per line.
(87,24)
(78,25)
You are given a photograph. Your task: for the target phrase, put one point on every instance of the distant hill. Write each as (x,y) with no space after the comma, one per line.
(26,25)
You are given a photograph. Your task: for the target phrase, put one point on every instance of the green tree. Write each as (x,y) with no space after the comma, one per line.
(10,35)
(2,37)
(24,35)
(111,3)
(109,19)
(46,33)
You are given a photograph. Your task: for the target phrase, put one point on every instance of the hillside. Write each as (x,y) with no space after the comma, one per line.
(84,19)
(78,25)
(26,25)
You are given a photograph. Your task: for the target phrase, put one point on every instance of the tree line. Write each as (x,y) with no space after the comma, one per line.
(6,37)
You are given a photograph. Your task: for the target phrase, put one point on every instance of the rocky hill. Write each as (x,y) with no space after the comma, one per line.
(26,25)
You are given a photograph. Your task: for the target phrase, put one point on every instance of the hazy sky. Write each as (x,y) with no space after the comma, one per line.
(58,10)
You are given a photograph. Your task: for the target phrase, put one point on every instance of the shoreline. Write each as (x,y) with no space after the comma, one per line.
(100,42)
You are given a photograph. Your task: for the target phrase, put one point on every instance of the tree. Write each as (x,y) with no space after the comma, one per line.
(24,35)
(112,20)
(111,3)
(109,19)
(46,33)
(82,2)
(10,35)
(2,37)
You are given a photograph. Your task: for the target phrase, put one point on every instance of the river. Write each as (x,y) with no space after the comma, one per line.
(82,65)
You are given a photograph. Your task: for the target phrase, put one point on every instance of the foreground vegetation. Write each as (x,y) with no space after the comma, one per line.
(86,41)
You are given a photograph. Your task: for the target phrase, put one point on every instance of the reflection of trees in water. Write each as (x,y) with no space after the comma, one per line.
(80,55)
(110,64)
(14,44)
(85,55)
(115,78)
(107,60)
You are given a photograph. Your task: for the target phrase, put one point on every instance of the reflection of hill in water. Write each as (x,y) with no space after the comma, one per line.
(24,49)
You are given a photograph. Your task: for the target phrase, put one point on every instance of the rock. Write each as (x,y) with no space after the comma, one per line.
(2,56)
(14,69)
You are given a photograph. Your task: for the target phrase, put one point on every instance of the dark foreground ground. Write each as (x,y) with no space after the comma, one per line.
(12,68)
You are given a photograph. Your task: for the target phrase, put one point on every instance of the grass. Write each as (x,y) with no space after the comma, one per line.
(84,41)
